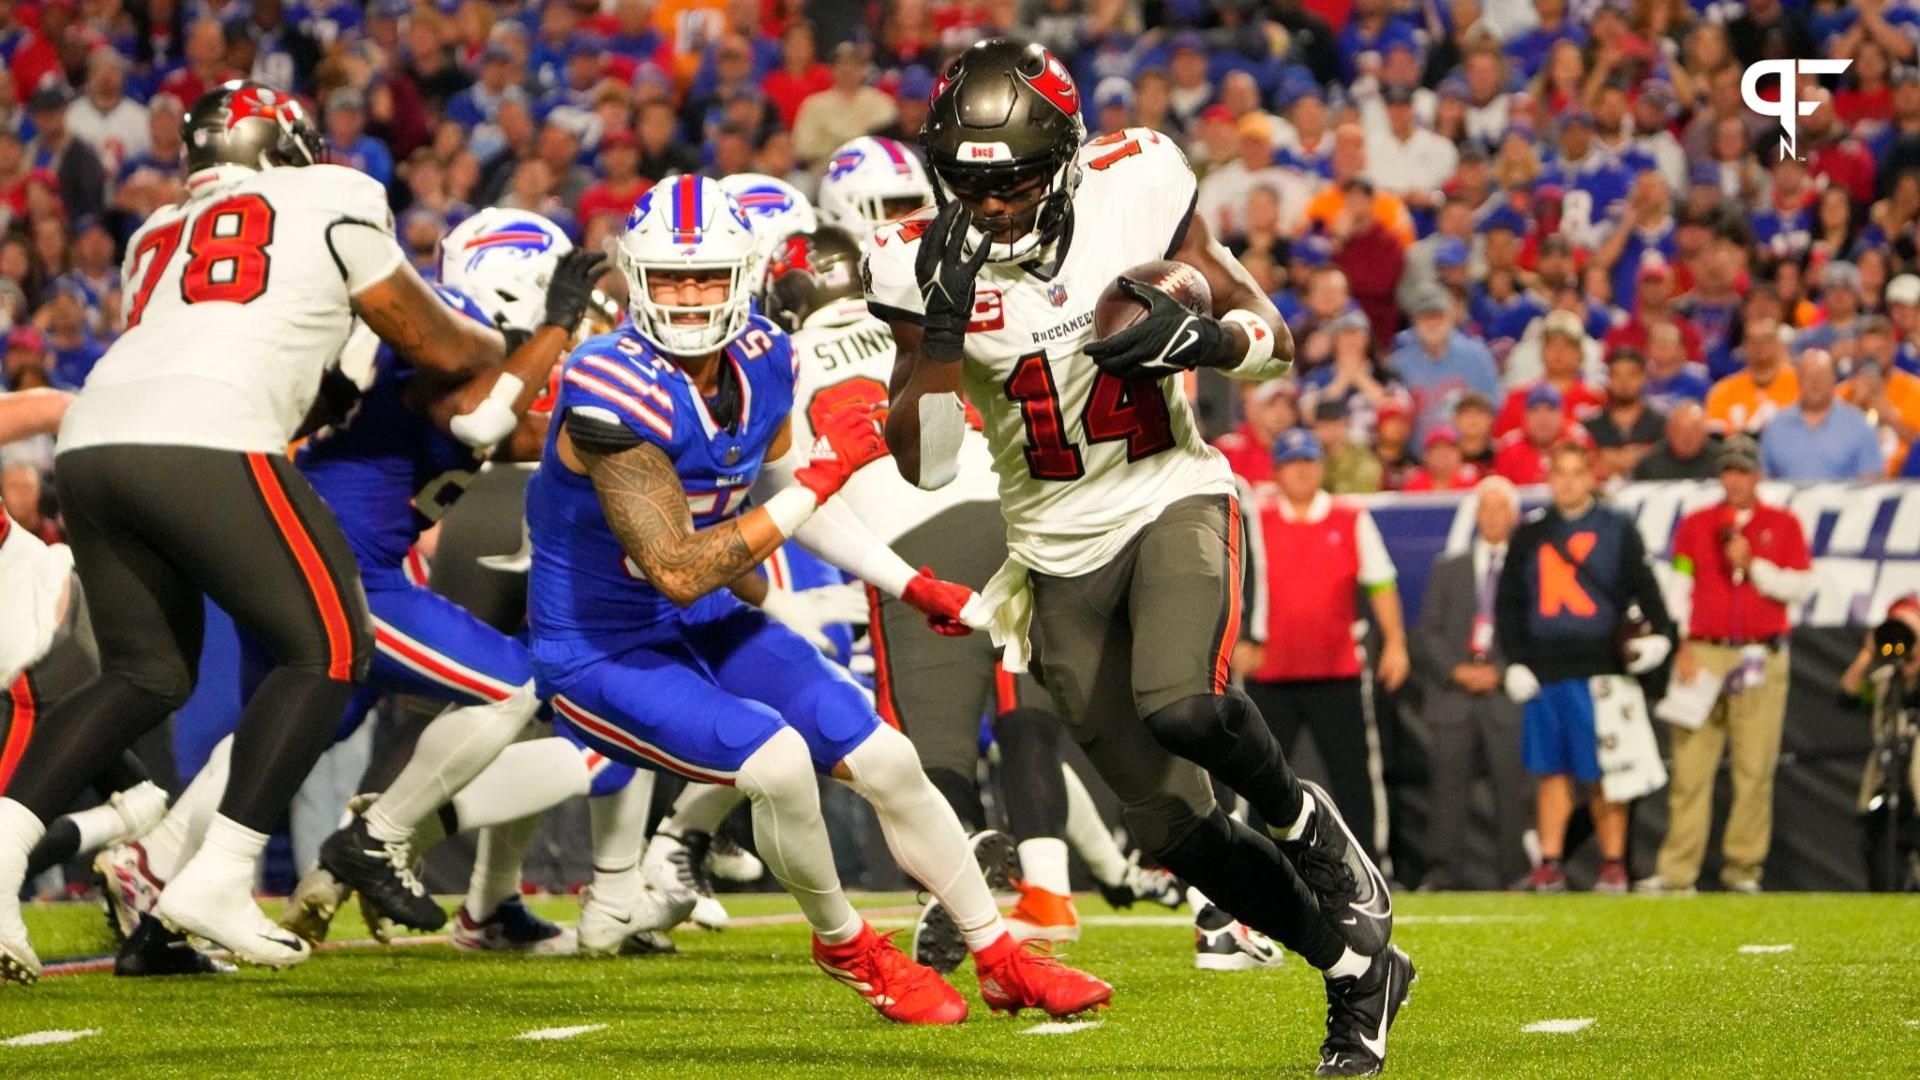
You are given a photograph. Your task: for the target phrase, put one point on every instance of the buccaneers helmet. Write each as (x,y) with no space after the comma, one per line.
(251,125)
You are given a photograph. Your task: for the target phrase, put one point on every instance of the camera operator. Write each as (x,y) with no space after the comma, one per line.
(1886,673)
(1740,563)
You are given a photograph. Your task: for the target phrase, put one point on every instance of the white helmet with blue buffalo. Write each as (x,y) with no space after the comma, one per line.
(871,181)
(776,208)
(682,226)
(504,259)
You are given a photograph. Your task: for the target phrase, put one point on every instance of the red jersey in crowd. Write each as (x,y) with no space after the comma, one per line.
(1723,609)
(1578,402)
(1464,478)
(1318,560)
(1249,458)
(1522,462)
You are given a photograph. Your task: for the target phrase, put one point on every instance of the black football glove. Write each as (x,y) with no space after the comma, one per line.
(1168,340)
(571,290)
(946,277)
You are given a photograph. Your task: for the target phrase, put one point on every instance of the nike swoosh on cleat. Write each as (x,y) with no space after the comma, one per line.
(290,943)
(1377,1045)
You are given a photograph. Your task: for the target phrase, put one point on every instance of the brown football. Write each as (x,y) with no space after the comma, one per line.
(1116,311)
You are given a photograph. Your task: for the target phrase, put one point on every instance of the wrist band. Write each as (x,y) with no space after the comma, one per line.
(1259,336)
(790,508)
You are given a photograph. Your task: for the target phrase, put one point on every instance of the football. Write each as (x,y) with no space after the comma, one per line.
(1116,311)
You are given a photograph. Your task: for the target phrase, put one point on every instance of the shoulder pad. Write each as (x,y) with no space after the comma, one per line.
(886,267)
(613,382)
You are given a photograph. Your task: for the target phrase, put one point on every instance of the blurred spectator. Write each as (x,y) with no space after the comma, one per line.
(1766,26)
(1320,553)
(1653,307)
(1563,344)
(347,138)
(1270,408)
(1686,452)
(1369,255)
(1526,453)
(23,495)
(1189,91)
(661,152)
(560,149)
(1840,300)
(1739,564)
(1441,466)
(206,64)
(1453,235)
(1393,441)
(1326,299)
(1352,377)
(1820,438)
(1330,208)
(1712,306)
(420,230)
(499,81)
(1473,423)
(1348,467)
(54,150)
(1471,725)
(94,276)
(910,101)
(1747,399)
(1890,397)
(1306,144)
(1834,156)
(800,74)
(1438,363)
(150,180)
(621,184)
(1112,105)
(846,110)
(1625,430)
(687,28)
(28,364)
(1407,159)
(104,117)
(72,344)
(1223,195)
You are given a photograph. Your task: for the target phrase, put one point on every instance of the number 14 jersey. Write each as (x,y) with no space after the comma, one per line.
(1084,459)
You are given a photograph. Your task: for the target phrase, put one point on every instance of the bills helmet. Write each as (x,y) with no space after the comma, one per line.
(688,224)
(504,259)
(871,181)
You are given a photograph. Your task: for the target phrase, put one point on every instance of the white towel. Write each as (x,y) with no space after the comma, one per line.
(1004,609)
(1630,764)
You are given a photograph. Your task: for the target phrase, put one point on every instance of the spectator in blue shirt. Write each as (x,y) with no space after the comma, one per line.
(479,103)
(1821,437)
(1364,43)
(1437,363)
(75,350)
(347,136)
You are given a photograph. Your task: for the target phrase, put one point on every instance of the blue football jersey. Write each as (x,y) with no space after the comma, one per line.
(582,584)
(388,471)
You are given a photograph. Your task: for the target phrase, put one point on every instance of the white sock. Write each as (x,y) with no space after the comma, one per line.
(229,846)
(99,826)
(525,779)
(1088,833)
(1043,860)
(1196,901)
(496,866)
(923,832)
(1299,827)
(1350,965)
(20,829)
(791,836)
(169,844)
(453,749)
(701,808)
(619,838)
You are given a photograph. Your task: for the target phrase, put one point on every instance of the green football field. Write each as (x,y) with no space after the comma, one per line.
(1774,986)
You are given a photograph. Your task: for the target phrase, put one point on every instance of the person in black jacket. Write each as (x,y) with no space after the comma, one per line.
(1573,573)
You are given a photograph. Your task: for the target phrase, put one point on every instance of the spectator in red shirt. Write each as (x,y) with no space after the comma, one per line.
(1563,342)
(1653,303)
(1371,257)
(1271,407)
(1741,564)
(1393,440)
(1442,468)
(1867,95)
(800,75)
(621,183)
(1836,157)
(1526,454)
(206,65)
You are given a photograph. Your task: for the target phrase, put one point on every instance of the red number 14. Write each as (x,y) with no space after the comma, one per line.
(1129,410)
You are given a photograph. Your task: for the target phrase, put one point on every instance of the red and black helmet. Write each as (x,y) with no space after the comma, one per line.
(1003,113)
(811,271)
(251,125)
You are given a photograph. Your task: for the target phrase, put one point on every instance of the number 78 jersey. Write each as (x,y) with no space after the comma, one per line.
(236,301)
(1084,459)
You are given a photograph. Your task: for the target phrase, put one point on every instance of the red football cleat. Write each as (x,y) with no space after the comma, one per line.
(1013,978)
(901,990)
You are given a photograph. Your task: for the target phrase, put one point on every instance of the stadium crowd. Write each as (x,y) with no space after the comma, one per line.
(1493,226)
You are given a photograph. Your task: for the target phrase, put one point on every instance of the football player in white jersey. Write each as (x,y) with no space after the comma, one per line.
(870,181)
(176,485)
(1124,578)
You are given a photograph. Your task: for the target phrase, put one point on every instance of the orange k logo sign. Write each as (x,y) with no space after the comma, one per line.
(1560,589)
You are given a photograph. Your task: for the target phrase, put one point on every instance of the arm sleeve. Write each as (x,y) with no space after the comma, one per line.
(1776,582)
(835,533)
(1510,598)
(1376,566)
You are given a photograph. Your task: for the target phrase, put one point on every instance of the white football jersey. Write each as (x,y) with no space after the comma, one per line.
(236,301)
(845,357)
(1085,460)
(33,580)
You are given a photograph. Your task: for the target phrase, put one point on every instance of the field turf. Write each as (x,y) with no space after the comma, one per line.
(1666,985)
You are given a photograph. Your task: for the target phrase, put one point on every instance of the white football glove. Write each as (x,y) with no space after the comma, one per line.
(809,612)
(1521,683)
(1646,652)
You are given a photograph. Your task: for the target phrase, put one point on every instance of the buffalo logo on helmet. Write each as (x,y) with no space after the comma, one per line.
(845,162)
(765,200)
(527,239)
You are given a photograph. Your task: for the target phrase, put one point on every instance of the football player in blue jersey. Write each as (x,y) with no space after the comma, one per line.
(639,525)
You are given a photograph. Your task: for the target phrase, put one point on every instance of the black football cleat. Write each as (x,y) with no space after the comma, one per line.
(1351,891)
(1360,1011)
(383,876)
(153,950)
(998,856)
(937,941)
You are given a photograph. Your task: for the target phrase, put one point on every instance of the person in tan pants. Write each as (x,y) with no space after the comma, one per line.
(1743,563)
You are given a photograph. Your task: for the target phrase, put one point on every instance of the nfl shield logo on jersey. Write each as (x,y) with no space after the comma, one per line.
(1056,294)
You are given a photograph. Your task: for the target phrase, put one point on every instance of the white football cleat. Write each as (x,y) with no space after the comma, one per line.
(130,887)
(18,962)
(668,869)
(218,906)
(608,931)
(1221,943)
(729,861)
(140,808)
(710,914)
(512,928)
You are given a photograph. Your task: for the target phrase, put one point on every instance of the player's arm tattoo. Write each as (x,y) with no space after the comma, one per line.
(404,310)
(1233,287)
(646,505)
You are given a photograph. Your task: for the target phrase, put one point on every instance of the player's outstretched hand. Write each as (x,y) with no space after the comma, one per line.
(848,440)
(946,276)
(1168,339)
(808,612)
(940,601)
(571,290)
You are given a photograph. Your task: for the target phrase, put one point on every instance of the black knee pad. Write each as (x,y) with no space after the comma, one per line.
(1027,730)
(1162,822)
(1190,723)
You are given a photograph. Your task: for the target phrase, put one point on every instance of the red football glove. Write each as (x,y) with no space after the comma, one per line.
(940,601)
(849,439)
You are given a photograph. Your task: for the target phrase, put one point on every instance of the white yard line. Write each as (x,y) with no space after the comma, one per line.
(48,1038)
(1559,1027)
(550,1034)
(1761,950)
(1061,1027)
